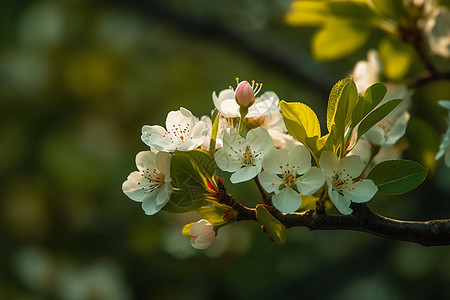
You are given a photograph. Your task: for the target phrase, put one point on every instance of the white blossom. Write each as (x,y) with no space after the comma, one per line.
(202,234)
(289,174)
(226,103)
(444,148)
(183,132)
(342,188)
(151,184)
(389,130)
(243,157)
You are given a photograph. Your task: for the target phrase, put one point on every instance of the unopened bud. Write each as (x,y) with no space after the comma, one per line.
(244,94)
(202,234)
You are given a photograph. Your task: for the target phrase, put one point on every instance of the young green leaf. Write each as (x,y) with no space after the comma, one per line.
(395,177)
(215,129)
(391,9)
(273,227)
(371,98)
(302,123)
(333,100)
(337,39)
(217,214)
(345,106)
(190,172)
(377,115)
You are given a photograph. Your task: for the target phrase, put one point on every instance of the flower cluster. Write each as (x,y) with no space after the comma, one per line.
(248,138)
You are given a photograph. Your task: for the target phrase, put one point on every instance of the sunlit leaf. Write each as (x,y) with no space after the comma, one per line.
(395,177)
(377,115)
(426,142)
(397,58)
(338,39)
(391,9)
(316,12)
(276,231)
(371,98)
(190,171)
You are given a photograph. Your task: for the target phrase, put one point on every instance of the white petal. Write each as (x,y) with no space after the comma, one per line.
(135,187)
(375,135)
(245,174)
(261,108)
(444,103)
(227,157)
(329,163)
(361,191)
(156,137)
(398,130)
(300,157)
(259,139)
(145,160)
(362,149)
(311,181)
(150,207)
(447,157)
(163,195)
(351,165)
(270,181)
(275,160)
(181,118)
(287,200)
(341,203)
(229,108)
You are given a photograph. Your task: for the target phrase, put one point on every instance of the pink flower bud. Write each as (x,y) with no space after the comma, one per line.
(244,94)
(202,234)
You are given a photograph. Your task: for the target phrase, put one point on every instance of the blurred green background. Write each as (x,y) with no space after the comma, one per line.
(78,80)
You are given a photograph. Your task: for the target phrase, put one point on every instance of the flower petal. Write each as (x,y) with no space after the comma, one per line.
(135,187)
(275,160)
(311,181)
(259,139)
(361,191)
(270,181)
(245,174)
(181,118)
(329,163)
(341,203)
(287,200)
(300,157)
(145,160)
(351,165)
(227,158)
(156,137)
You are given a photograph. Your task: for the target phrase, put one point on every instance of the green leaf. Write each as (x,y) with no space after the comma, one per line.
(190,171)
(338,39)
(377,115)
(273,227)
(333,100)
(426,143)
(302,123)
(395,177)
(391,9)
(215,129)
(371,98)
(397,58)
(345,106)
(315,12)
(218,214)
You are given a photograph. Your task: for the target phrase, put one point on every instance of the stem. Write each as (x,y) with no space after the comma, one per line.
(373,152)
(243,111)
(428,233)
(266,198)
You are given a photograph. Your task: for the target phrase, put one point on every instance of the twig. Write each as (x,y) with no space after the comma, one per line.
(266,198)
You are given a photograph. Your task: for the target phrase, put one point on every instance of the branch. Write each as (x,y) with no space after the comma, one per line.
(429,233)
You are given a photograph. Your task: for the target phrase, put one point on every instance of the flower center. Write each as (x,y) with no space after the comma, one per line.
(341,182)
(249,156)
(155,180)
(178,134)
